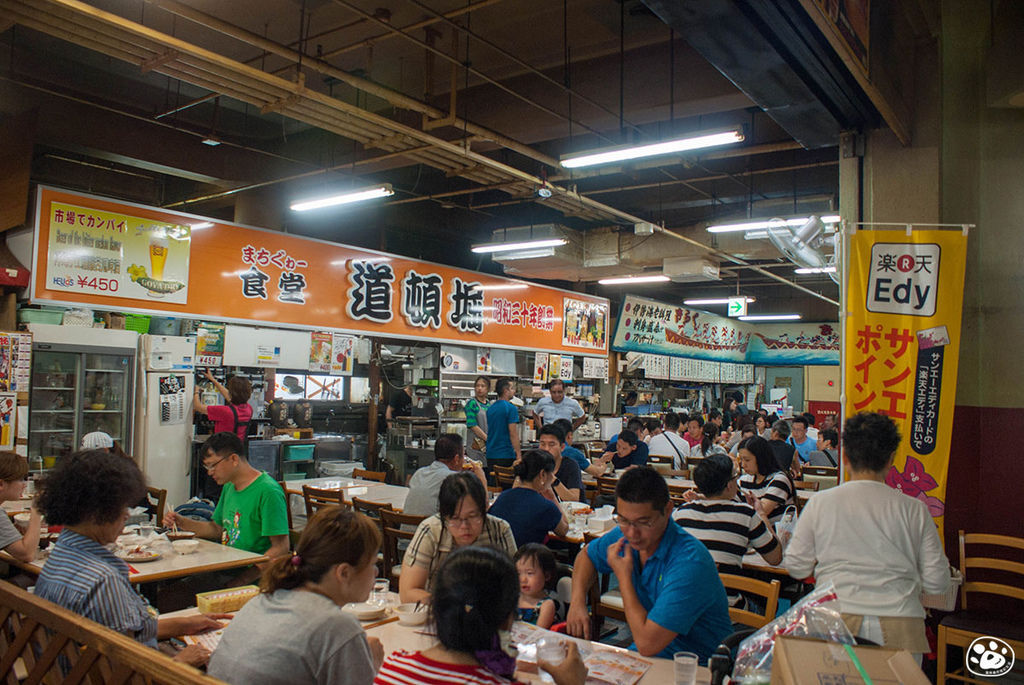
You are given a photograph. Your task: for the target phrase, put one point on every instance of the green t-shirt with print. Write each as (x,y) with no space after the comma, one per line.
(250,516)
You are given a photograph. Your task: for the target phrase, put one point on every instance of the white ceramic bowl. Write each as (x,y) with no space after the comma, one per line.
(23,518)
(409,615)
(185,546)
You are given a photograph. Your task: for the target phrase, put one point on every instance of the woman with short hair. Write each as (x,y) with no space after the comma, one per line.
(89,493)
(878,546)
(295,632)
(13,479)
(235,415)
(473,607)
(462,520)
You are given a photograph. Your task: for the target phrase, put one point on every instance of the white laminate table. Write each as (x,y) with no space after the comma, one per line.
(210,556)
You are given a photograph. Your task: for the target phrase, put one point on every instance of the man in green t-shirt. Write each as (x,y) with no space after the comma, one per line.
(251,513)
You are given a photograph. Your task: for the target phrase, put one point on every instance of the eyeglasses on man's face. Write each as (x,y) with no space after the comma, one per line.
(645,523)
(210,467)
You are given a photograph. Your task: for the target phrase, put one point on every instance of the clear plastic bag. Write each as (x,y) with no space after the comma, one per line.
(786,526)
(816,615)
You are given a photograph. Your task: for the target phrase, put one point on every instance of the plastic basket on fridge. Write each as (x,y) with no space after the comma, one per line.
(947,600)
(137,322)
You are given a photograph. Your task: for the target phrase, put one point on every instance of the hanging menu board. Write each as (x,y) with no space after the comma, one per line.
(656,366)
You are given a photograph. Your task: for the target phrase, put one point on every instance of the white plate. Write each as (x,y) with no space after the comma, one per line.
(140,558)
(364,611)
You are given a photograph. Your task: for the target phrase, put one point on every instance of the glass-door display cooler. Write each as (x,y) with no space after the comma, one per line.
(82,381)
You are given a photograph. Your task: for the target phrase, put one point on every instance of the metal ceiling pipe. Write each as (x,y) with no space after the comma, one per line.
(320,66)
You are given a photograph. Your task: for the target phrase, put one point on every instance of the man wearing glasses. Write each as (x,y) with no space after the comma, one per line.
(671,593)
(251,513)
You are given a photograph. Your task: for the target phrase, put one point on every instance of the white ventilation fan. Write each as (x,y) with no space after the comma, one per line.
(634,360)
(803,245)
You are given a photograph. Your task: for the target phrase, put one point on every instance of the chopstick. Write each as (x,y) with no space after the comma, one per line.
(380,623)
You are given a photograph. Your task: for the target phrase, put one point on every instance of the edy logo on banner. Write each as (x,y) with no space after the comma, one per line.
(904,298)
(904,279)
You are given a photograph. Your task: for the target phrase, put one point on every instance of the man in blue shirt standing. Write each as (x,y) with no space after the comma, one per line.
(503,426)
(558,406)
(671,593)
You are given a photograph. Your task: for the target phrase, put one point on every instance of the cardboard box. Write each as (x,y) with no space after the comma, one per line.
(225,601)
(803,661)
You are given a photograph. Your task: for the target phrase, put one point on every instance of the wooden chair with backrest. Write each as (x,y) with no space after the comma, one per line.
(379,476)
(293,532)
(660,459)
(157,499)
(767,590)
(41,642)
(675,494)
(825,476)
(811,485)
(318,498)
(691,462)
(373,509)
(397,526)
(981,576)
(503,476)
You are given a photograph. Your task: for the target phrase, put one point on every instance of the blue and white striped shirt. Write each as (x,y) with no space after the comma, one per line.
(82,576)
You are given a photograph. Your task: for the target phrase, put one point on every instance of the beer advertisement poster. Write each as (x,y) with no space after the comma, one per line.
(110,254)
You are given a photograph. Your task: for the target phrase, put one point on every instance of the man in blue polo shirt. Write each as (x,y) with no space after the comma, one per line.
(671,593)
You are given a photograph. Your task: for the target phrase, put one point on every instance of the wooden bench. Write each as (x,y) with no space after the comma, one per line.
(41,642)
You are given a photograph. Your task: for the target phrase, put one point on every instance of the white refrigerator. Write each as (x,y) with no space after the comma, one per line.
(163,443)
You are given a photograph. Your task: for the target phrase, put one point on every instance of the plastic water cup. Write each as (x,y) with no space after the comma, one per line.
(685,667)
(551,650)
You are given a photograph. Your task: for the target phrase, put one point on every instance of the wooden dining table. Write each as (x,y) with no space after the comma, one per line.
(209,557)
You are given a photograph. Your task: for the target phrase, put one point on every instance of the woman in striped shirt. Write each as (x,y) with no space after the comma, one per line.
(763,480)
(89,493)
(474,603)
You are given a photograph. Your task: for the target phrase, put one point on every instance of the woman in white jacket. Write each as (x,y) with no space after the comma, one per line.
(876,545)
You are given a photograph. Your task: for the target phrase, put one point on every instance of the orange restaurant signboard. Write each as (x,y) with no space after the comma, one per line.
(115,255)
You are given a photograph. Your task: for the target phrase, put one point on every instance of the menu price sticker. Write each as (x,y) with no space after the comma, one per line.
(209,360)
(210,344)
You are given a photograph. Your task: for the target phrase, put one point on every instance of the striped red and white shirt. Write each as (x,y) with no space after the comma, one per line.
(412,668)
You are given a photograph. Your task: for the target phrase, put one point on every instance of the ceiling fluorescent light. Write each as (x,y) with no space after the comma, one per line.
(622,280)
(511,286)
(770,317)
(383,190)
(625,152)
(764,224)
(522,245)
(825,270)
(200,226)
(716,300)
(211,141)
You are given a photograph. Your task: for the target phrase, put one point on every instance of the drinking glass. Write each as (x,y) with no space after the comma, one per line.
(381,588)
(686,668)
(551,650)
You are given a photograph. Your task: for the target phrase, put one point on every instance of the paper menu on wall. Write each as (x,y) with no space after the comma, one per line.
(21,361)
(565,371)
(342,355)
(595,367)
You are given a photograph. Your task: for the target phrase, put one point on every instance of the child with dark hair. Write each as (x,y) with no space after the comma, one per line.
(295,632)
(536,567)
(473,606)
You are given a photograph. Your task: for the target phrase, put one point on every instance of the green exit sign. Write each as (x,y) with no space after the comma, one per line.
(737,306)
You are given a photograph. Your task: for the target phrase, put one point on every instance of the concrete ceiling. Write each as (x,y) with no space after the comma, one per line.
(125,91)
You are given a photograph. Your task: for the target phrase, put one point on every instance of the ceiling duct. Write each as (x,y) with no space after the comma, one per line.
(774,53)
(690,269)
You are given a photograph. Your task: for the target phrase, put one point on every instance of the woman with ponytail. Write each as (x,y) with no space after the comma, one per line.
(474,603)
(294,632)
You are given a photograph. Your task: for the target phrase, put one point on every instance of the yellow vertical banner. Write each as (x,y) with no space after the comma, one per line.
(904,298)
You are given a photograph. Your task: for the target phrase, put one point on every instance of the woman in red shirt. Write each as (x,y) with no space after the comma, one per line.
(233,417)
